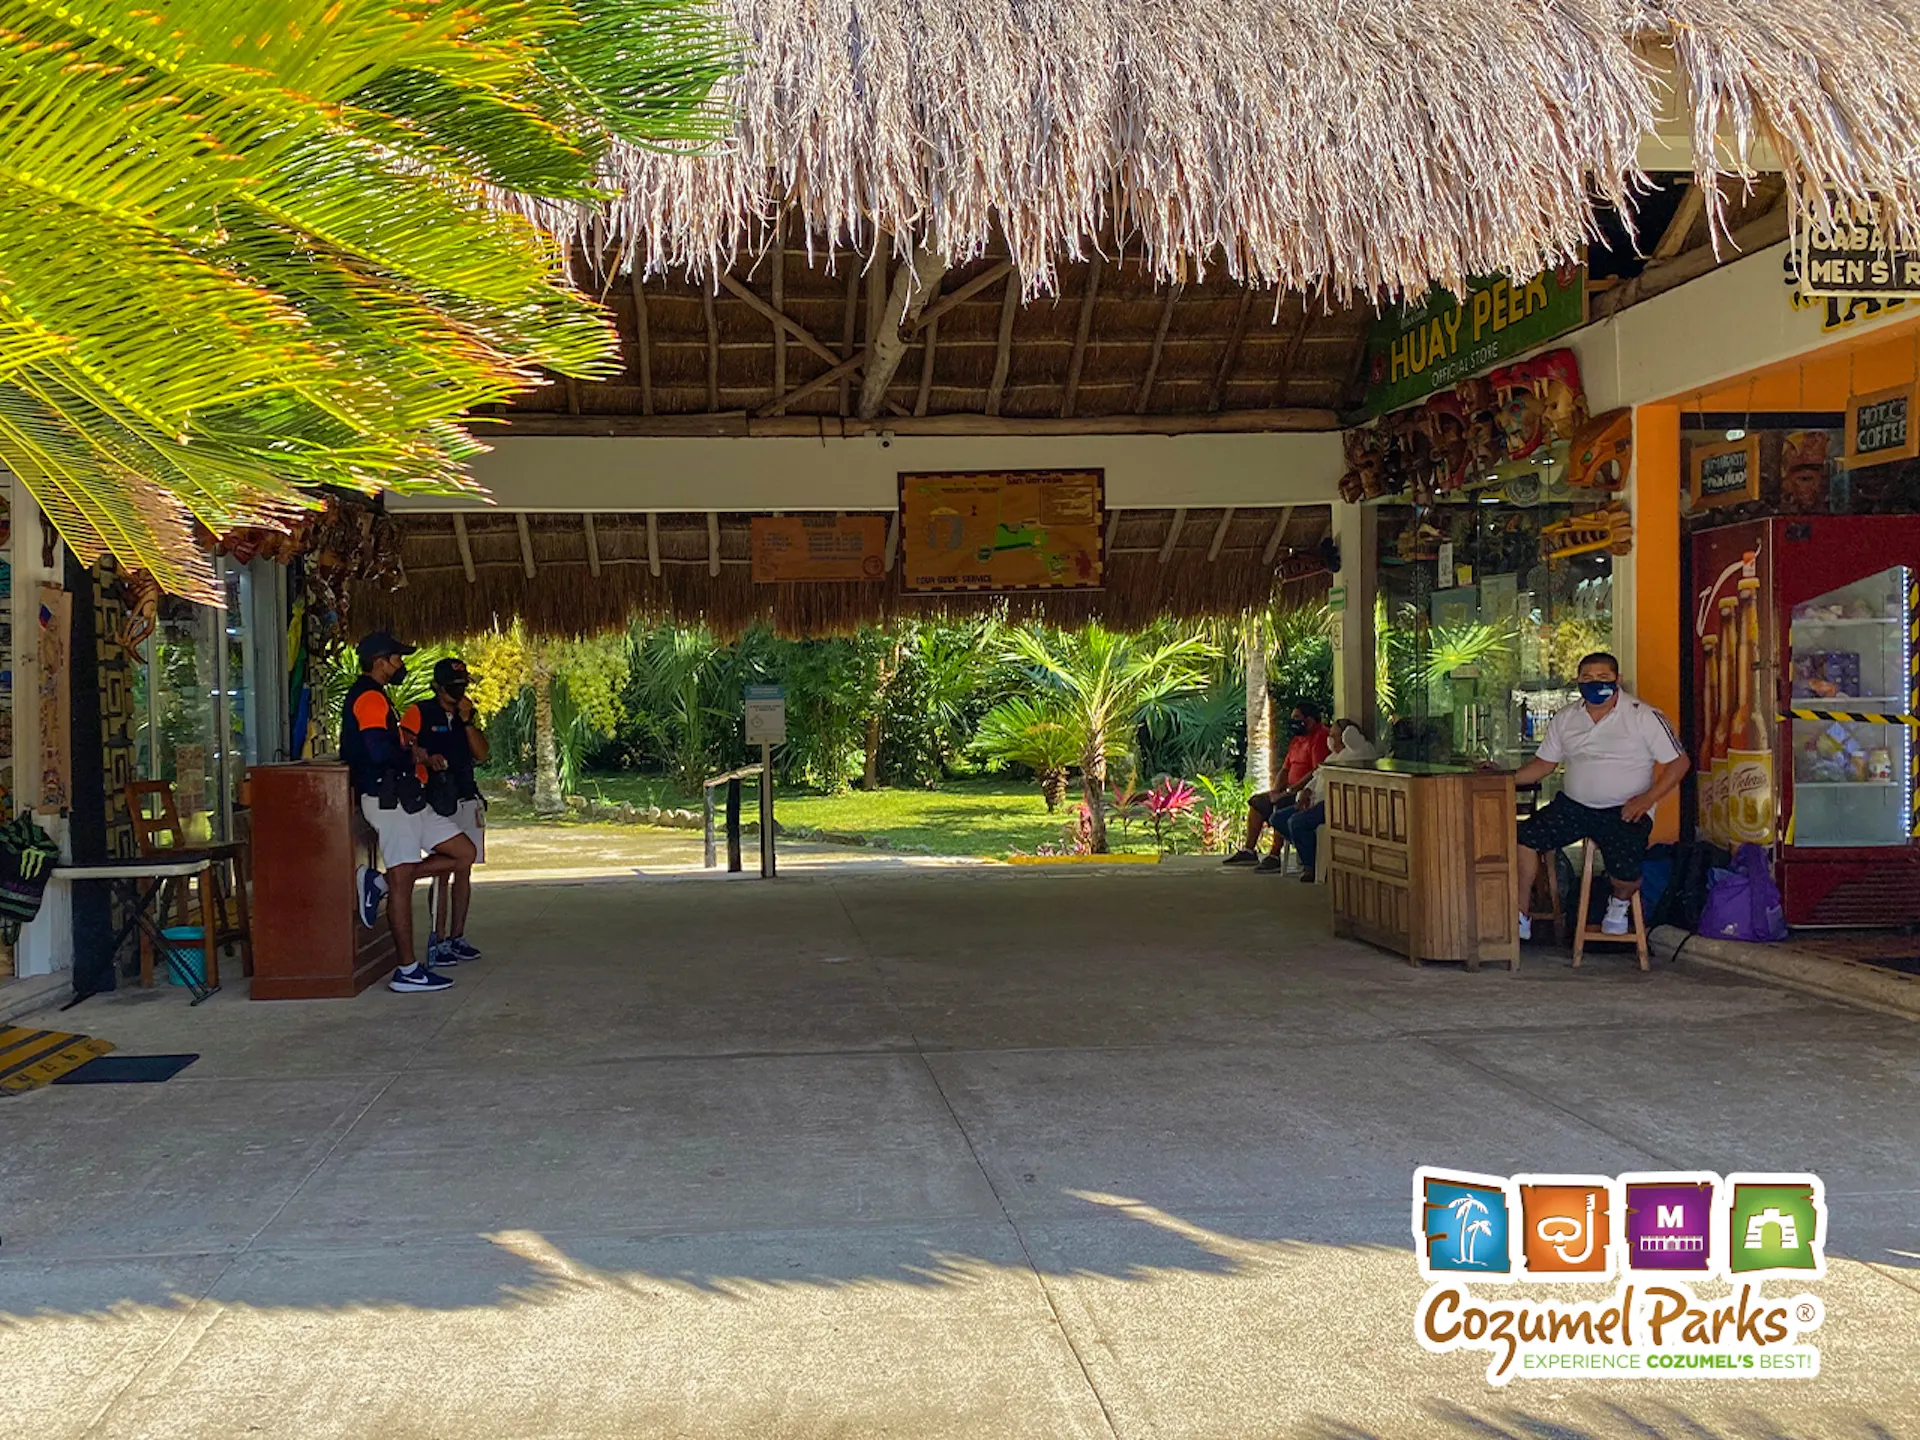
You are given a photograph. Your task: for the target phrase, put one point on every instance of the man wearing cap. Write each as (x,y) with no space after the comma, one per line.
(444,727)
(415,842)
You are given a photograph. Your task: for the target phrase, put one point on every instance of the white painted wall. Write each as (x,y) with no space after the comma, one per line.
(582,473)
(46,944)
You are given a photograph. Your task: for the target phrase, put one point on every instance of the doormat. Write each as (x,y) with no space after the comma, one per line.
(32,1058)
(127,1070)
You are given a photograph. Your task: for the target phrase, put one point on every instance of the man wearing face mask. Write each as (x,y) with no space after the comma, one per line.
(388,769)
(1621,760)
(1308,746)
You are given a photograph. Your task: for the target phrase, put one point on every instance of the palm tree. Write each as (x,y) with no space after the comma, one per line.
(1105,682)
(1462,1206)
(1036,733)
(677,670)
(249,248)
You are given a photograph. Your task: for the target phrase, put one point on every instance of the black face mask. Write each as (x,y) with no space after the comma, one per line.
(399,673)
(1296,726)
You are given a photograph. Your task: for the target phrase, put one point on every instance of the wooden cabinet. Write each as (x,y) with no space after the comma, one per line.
(308,838)
(1421,860)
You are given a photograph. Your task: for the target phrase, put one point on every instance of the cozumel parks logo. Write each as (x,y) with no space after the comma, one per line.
(1643,1242)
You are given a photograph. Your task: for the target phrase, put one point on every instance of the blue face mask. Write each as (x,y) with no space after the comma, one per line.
(1597,692)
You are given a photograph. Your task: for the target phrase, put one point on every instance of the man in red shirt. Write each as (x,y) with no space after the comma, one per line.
(1309,745)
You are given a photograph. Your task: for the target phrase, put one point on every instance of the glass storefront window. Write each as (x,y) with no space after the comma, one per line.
(1850,653)
(1473,662)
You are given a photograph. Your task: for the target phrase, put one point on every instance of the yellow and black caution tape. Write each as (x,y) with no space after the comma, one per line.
(32,1058)
(1854,717)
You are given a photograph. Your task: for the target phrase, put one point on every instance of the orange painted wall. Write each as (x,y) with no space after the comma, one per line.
(1656,574)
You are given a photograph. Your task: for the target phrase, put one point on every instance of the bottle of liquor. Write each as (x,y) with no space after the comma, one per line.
(1750,795)
(1703,756)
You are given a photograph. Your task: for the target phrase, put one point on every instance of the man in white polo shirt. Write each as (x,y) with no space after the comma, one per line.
(1622,760)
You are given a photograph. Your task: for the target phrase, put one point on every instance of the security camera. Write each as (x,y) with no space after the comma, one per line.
(886,439)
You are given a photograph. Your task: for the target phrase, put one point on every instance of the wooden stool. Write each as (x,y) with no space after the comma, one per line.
(1544,902)
(1584,930)
(224,913)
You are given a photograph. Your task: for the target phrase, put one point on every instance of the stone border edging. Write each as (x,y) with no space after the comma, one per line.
(1829,976)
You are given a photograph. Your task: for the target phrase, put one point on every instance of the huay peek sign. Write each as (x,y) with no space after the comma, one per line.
(1416,349)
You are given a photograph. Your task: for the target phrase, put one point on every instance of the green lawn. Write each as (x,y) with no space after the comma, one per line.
(962,817)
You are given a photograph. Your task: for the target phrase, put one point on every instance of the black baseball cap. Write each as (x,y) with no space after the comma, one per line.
(381,642)
(451,674)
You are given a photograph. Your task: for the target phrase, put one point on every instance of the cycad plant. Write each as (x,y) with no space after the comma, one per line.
(1105,683)
(253,247)
(1038,734)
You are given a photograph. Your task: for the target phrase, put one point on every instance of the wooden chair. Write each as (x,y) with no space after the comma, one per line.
(1586,930)
(223,888)
(1544,902)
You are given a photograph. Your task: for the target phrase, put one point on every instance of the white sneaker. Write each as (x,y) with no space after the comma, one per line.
(1526,926)
(1615,922)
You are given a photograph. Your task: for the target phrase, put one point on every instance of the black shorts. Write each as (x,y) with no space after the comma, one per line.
(1623,843)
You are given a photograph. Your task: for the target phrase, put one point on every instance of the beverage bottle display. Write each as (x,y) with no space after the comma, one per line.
(1723,725)
(1703,759)
(1750,794)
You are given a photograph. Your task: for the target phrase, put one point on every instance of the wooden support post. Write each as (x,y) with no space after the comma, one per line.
(1219,535)
(1673,239)
(644,348)
(526,544)
(783,323)
(1231,355)
(653,544)
(713,349)
(1079,357)
(891,313)
(1002,356)
(1145,396)
(1173,533)
(1113,528)
(992,275)
(573,394)
(713,542)
(1279,533)
(593,545)
(466,547)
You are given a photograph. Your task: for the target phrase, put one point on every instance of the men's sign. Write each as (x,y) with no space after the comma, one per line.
(1416,349)
(1854,256)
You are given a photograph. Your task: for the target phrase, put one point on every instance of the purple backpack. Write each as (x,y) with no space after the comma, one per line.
(1744,903)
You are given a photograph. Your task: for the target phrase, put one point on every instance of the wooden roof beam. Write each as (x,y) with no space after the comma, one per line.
(1173,533)
(1219,535)
(526,544)
(466,546)
(929,343)
(1091,293)
(645,345)
(593,544)
(783,324)
(653,544)
(1693,201)
(992,275)
(1003,353)
(1292,357)
(1231,355)
(713,542)
(778,308)
(1145,397)
(1279,533)
(713,349)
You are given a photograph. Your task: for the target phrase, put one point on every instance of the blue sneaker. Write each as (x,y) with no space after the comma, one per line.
(459,949)
(370,888)
(419,979)
(439,957)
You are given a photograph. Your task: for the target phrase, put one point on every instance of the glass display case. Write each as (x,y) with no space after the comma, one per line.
(1852,655)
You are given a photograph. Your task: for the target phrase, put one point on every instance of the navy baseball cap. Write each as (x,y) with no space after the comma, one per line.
(381,642)
(452,675)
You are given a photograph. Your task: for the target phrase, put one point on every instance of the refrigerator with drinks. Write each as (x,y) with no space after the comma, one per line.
(1805,678)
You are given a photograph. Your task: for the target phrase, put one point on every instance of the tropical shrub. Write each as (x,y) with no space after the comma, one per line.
(1037,734)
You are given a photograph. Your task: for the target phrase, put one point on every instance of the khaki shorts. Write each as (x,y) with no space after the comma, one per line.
(407,839)
(471,817)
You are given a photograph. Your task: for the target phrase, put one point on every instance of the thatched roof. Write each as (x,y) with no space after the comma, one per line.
(1356,144)
(1177,563)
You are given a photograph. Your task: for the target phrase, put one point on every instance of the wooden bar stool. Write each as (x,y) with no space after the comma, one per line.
(224,913)
(1544,902)
(1585,930)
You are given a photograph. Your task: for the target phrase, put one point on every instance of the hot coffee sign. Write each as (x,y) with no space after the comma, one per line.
(1880,427)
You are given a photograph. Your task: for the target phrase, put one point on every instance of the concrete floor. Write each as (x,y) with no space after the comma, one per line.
(924,1152)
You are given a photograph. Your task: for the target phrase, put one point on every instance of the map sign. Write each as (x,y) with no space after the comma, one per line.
(1002,530)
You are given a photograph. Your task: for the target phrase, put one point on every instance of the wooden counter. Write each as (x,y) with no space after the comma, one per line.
(1421,860)
(308,836)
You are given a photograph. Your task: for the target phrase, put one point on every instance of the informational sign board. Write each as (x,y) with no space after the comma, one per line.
(1880,427)
(818,547)
(1726,473)
(1853,256)
(1002,530)
(1416,349)
(766,707)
